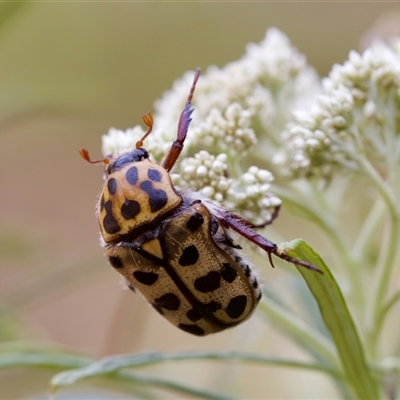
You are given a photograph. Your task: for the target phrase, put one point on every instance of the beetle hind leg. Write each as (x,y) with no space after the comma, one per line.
(243,227)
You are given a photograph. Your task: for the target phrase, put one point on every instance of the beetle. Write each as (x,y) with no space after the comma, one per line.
(175,246)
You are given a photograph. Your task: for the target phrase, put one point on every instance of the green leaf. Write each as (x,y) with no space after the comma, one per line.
(112,366)
(42,360)
(181,388)
(109,365)
(71,377)
(337,319)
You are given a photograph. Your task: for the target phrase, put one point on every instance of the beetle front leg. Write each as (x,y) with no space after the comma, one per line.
(183,126)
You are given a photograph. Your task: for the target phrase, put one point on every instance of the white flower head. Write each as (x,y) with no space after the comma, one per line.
(275,58)
(348,119)
(205,173)
(117,140)
(229,132)
(250,195)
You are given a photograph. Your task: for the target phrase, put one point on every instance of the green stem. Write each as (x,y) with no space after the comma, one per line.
(181,388)
(325,218)
(380,184)
(300,332)
(43,360)
(114,363)
(385,267)
(110,367)
(334,232)
(367,233)
(314,214)
(385,309)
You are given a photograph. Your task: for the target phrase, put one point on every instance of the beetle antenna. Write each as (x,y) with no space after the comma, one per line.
(86,156)
(149,121)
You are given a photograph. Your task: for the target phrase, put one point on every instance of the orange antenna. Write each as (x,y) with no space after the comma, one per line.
(149,121)
(85,155)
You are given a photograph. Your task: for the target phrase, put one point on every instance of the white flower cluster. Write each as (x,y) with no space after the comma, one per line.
(229,132)
(356,115)
(117,141)
(240,110)
(206,173)
(259,91)
(251,197)
(249,194)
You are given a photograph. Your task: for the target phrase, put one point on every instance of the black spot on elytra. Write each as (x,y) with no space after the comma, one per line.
(213,306)
(236,306)
(247,271)
(195,221)
(194,315)
(132,175)
(189,256)
(109,222)
(157,197)
(130,209)
(169,301)
(131,287)
(255,284)
(154,175)
(193,329)
(115,261)
(157,308)
(112,186)
(208,283)
(228,272)
(147,278)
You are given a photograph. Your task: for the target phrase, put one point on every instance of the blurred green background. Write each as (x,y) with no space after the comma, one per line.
(71,70)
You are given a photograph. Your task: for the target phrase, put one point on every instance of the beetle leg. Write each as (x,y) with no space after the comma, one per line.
(242,227)
(183,126)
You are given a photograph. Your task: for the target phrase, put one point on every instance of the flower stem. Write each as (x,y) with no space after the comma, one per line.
(387,261)
(368,231)
(326,221)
